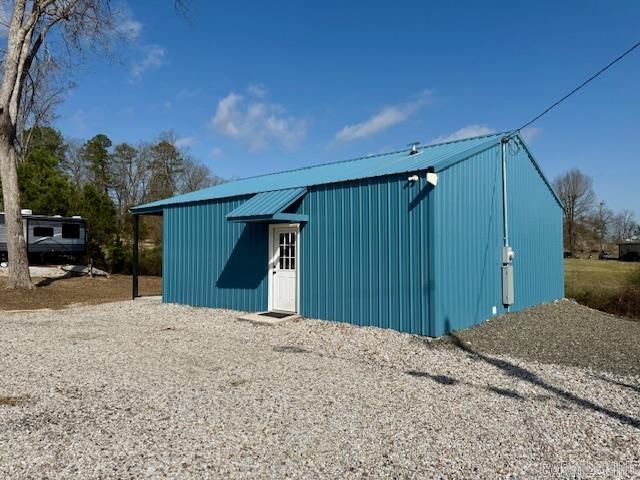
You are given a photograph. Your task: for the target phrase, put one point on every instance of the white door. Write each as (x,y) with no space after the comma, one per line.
(283,268)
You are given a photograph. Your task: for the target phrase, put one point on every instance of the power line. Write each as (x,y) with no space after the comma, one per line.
(593,77)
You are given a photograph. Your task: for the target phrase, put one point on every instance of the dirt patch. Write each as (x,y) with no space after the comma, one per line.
(13,401)
(63,292)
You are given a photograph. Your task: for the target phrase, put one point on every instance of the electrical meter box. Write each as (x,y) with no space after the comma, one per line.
(507,285)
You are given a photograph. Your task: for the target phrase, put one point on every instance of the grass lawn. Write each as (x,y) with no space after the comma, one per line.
(604,285)
(599,275)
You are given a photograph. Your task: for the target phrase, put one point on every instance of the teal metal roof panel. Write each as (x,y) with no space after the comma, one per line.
(266,204)
(363,167)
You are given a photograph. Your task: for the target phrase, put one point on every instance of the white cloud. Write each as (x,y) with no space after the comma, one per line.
(529,133)
(125,23)
(475,130)
(154,57)
(217,152)
(385,118)
(257,90)
(256,123)
(186,142)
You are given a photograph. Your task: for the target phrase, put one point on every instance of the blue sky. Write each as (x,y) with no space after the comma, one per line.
(256,87)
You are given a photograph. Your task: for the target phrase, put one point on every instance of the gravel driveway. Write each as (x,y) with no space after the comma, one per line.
(135,389)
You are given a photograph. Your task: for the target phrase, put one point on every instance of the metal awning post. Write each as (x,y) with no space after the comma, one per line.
(134,259)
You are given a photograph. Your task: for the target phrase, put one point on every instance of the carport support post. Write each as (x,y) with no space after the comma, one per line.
(134,260)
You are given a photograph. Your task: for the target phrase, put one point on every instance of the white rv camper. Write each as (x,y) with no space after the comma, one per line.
(49,236)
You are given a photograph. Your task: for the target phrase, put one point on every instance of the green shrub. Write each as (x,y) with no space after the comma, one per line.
(627,302)
(624,301)
(149,262)
(116,256)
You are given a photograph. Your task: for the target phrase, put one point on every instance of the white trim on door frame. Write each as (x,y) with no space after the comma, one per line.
(271,260)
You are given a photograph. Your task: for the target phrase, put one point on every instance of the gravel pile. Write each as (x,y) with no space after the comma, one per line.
(563,332)
(140,389)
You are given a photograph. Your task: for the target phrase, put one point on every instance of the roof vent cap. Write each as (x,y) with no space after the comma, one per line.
(414,148)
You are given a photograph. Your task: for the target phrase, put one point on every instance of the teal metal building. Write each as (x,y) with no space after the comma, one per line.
(413,240)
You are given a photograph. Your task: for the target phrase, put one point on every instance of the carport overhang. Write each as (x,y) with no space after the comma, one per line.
(136,213)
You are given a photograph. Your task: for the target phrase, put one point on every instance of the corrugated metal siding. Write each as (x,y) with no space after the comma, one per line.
(208,261)
(267,203)
(535,232)
(468,240)
(364,253)
(381,251)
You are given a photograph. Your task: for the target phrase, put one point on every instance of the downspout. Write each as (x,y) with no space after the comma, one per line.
(507,251)
(505,216)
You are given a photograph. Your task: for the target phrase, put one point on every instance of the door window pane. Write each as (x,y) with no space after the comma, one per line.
(287,251)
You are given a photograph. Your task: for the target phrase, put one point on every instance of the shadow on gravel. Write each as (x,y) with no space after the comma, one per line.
(447,380)
(443,379)
(505,392)
(635,388)
(290,349)
(530,377)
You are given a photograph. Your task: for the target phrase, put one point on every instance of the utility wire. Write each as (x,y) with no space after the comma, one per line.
(593,77)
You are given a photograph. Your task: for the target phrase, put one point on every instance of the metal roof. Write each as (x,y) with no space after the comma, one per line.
(266,204)
(438,156)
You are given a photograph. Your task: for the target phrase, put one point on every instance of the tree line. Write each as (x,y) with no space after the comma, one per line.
(588,223)
(101,181)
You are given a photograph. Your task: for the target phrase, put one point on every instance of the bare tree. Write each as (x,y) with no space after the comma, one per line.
(74,24)
(44,90)
(624,225)
(73,163)
(195,175)
(131,173)
(601,222)
(31,21)
(575,189)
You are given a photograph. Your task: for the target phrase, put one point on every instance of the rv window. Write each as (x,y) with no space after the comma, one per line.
(70,230)
(42,231)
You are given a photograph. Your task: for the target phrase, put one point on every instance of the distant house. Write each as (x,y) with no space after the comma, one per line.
(629,250)
(411,240)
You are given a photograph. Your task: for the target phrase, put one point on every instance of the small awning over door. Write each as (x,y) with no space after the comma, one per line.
(269,207)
